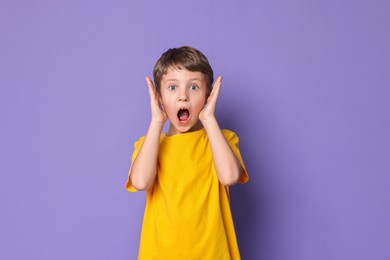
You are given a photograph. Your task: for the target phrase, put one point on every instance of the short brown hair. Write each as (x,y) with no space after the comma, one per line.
(185,57)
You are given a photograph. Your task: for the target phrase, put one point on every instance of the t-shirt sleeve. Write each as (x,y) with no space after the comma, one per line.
(233,141)
(137,147)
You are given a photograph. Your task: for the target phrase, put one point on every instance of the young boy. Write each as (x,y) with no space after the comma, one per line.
(187,171)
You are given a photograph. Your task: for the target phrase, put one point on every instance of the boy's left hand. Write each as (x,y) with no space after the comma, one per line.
(208,112)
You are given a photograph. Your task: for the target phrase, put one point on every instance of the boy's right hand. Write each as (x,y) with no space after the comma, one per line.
(159,116)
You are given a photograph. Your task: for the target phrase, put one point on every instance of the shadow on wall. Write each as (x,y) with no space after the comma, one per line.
(249,204)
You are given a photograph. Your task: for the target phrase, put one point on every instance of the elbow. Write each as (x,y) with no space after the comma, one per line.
(229,181)
(231,178)
(139,184)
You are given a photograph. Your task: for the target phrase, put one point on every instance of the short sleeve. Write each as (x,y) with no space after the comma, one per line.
(233,141)
(137,147)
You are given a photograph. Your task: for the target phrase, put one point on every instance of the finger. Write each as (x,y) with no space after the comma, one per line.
(151,88)
(216,88)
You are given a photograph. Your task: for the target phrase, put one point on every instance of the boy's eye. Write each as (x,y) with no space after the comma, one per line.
(172,87)
(194,87)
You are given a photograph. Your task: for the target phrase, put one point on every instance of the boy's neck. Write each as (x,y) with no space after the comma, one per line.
(174,131)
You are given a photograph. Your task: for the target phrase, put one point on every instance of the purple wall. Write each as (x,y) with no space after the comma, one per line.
(306,87)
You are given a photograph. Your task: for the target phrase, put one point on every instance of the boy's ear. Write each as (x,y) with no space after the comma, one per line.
(206,98)
(160,100)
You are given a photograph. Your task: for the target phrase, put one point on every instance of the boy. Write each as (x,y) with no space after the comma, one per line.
(187,171)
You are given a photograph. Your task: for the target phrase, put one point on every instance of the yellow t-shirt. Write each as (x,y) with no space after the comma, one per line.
(187,213)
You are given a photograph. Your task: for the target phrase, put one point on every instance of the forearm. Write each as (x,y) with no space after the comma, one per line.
(143,169)
(226,163)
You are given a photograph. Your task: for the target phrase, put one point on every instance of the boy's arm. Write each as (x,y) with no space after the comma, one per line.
(226,163)
(143,169)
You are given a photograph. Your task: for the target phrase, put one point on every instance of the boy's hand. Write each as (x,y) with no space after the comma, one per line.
(208,112)
(158,114)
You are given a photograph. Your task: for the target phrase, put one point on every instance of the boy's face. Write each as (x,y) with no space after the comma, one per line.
(183,96)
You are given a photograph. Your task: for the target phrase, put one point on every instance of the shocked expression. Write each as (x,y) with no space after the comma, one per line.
(183,96)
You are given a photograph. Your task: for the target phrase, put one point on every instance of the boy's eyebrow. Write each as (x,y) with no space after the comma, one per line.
(172,80)
(176,80)
(194,79)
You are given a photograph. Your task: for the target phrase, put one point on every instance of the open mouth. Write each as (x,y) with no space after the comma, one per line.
(183,115)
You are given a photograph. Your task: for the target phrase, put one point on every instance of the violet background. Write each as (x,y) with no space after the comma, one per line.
(306,87)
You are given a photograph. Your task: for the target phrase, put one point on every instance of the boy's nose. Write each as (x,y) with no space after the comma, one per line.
(183,96)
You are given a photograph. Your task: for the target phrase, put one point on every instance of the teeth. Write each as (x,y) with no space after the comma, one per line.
(183,114)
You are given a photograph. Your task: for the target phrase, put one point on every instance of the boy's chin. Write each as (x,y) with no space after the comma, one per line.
(181,129)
